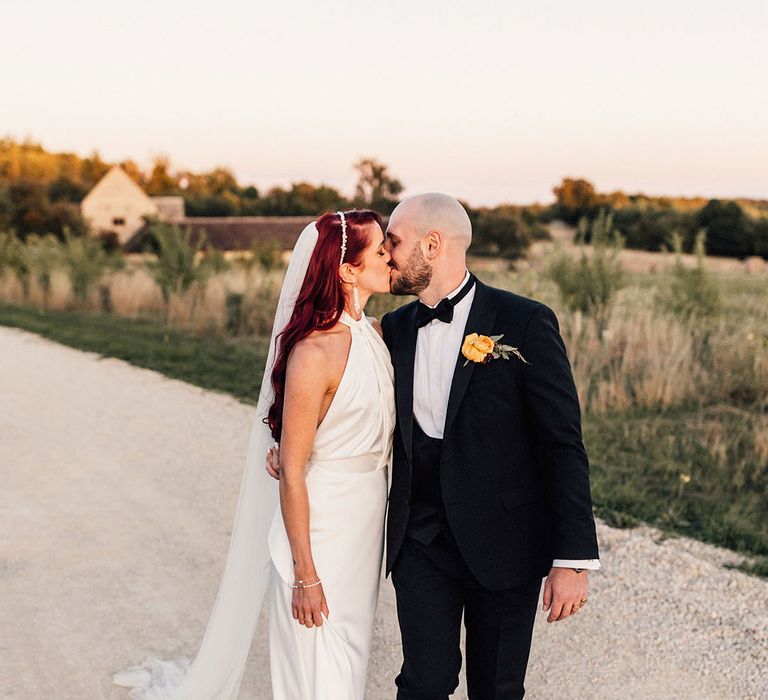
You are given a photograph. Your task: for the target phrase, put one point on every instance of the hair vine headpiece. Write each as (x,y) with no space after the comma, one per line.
(343,235)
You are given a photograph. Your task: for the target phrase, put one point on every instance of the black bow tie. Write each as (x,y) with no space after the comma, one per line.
(444,310)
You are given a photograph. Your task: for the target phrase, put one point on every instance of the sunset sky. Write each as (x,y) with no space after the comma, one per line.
(488,101)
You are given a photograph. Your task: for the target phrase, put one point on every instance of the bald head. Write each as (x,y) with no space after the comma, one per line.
(428,236)
(433,211)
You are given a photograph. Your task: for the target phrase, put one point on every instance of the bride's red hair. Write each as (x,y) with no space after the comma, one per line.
(321,299)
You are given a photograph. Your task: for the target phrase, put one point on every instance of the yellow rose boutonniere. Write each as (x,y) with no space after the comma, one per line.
(483,348)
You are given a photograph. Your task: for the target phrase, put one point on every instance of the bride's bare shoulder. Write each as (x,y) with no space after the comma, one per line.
(320,350)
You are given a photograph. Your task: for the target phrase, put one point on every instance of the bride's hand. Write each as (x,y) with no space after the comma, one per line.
(307,605)
(273,461)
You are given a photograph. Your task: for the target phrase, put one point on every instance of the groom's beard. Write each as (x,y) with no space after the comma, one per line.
(413,277)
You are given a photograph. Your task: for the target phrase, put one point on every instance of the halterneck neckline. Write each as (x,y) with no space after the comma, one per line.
(349,320)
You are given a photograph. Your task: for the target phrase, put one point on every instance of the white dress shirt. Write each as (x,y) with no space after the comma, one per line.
(437,346)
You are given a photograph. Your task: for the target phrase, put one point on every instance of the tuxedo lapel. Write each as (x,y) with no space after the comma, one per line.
(482,316)
(405,342)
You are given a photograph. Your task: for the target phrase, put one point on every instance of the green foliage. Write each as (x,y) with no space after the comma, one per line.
(40,191)
(650,228)
(232,365)
(692,293)
(160,182)
(45,254)
(7,243)
(697,471)
(734,228)
(589,284)
(15,258)
(760,236)
(693,471)
(376,188)
(501,231)
(575,199)
(233,303)
(265,254)
(26,208)
(728,228)
(179,263)
(87,263)
(300,199)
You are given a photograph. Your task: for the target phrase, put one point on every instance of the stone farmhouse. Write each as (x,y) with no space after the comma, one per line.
(117,204)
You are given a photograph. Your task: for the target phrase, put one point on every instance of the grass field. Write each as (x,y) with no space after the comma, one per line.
(677,433)
(231,365)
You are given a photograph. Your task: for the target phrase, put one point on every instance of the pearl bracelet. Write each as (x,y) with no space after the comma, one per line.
(302,584)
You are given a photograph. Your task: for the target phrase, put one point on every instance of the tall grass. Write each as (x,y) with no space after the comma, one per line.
(641,355)
(675,410)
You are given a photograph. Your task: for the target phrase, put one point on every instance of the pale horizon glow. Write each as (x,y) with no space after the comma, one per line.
(490,102)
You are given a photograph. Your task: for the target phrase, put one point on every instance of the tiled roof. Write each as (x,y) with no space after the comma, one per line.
(234,232)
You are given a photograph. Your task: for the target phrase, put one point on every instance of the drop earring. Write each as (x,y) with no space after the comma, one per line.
(356,298)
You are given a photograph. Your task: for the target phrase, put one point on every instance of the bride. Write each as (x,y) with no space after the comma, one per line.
(315,538)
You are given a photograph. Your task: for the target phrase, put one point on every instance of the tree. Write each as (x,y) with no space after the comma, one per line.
(727,228)
(302,199)
(575,198)
(92,169)
(376,188)
(161,182)
(133,171)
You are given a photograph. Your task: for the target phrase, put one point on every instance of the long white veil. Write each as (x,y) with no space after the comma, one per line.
(217,671)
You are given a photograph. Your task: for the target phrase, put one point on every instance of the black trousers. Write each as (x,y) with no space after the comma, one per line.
(434,588)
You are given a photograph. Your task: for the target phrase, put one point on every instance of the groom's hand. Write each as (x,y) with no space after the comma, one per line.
(273,461)
(565,592)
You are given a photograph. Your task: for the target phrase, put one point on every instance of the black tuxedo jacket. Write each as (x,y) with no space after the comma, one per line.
(514,474)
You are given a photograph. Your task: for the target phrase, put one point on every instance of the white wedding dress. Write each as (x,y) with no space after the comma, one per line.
(347,486)
(347,480)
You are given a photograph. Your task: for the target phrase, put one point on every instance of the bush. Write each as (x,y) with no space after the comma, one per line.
(650,229)
(45,255)
(589,285)
(233,303)
(760,236)
(267,253)
(501,232)
(86,263)
(181,264)
(692,294)
(728,228)
(14,258)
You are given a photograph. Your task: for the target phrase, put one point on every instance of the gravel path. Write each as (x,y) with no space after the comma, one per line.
(118,491)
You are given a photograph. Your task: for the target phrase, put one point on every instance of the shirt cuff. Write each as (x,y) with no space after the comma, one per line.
(578,563)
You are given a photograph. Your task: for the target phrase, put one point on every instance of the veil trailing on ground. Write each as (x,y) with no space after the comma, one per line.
(217,671)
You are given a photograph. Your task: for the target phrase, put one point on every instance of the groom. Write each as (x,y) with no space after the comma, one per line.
(490,481)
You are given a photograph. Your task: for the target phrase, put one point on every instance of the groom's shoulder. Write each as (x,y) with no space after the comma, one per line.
(399,313)
(510,302)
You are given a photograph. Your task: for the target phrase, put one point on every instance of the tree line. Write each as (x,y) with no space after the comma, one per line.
(733,228)
(40,193)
